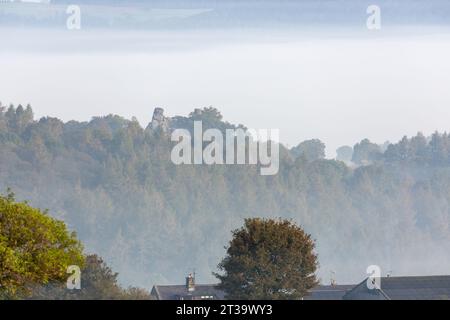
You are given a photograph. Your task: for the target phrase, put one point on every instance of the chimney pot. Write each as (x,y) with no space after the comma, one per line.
(190,283)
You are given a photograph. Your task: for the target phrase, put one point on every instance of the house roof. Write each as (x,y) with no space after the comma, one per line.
(392,288)
(175,292)
(404,288)
(329,292)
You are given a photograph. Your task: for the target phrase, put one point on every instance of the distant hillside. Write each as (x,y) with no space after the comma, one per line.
(113,182)
(181,14)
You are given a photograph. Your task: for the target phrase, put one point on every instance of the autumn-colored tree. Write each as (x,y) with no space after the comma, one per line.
(268,260)
(34,248)
(98,282)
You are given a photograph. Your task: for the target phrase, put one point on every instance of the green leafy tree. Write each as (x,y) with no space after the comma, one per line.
(269,260)
(310,150)
(366,152)
(34,248)
(344,153)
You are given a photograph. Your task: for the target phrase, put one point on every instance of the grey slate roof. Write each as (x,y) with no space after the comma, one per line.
(404,288)
(329,292)
(177,292)
(392,288)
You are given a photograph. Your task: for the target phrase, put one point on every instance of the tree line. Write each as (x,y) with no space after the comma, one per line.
(113,183)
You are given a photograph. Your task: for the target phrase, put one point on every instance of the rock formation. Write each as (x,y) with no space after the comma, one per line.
(159,121)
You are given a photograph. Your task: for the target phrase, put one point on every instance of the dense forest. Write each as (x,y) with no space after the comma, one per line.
(113,183)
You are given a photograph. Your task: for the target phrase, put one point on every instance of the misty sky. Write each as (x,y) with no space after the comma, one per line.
(336,84)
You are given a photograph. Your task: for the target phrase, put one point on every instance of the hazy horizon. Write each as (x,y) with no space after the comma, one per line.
(337,85)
